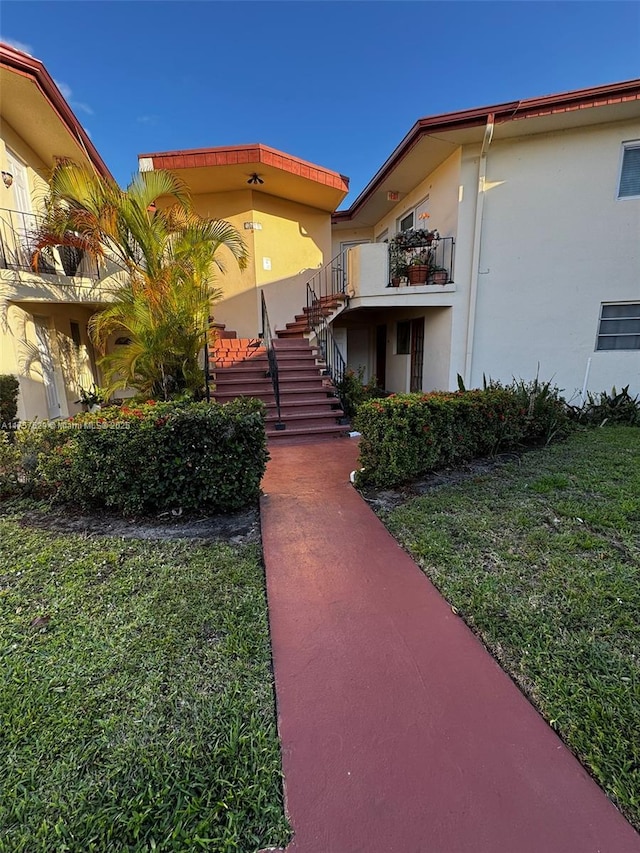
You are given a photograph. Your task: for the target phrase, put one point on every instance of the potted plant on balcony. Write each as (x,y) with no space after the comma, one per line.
(398,267)
(419,267)
(439,275)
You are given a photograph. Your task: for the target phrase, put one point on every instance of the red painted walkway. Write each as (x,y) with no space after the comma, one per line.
(399,731)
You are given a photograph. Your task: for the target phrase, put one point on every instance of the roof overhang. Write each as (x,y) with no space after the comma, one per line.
(34,106)
(433,139)
(228,169)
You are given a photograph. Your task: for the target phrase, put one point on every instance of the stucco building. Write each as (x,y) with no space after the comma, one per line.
(44,311)
(536,202)
(541,198)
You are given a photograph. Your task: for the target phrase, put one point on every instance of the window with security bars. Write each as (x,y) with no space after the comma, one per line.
(619,326)
(630,171)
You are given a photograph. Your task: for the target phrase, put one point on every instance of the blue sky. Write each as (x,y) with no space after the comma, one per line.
(337,83)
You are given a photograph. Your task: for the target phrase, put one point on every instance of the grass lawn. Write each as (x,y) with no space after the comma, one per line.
(542,559)
(136,700)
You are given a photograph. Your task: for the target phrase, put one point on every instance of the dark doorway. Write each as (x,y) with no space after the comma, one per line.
(417,353)
(381,356)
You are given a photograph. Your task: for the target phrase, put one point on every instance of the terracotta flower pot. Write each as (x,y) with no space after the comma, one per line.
(418,274)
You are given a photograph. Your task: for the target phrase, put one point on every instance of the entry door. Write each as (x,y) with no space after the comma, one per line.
(381,356)
(417,353)
(48,370)
(21,218)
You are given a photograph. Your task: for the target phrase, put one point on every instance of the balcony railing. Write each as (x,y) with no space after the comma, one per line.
(18,236)
(428,261)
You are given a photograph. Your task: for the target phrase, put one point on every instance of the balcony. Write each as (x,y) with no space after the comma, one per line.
(18,234)
(370,284)
(63,273)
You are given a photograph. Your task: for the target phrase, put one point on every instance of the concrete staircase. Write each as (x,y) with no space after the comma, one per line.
(326,306)
(309,407)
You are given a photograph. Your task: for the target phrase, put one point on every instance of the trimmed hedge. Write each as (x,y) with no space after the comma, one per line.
(195,457)
(406,435)
(9,387)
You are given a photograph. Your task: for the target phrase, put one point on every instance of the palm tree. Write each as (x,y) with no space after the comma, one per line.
(165,262)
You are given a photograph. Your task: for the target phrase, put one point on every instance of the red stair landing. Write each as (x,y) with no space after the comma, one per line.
(328,306)
(309,407)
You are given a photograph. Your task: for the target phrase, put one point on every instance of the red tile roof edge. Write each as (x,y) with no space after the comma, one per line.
(28,66)
(594,96)
(255,153)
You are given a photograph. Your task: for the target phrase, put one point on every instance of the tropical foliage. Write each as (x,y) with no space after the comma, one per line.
(163,264)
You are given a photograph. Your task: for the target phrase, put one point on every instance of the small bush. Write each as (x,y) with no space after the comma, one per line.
(407,435)
(9,387)
(155,457)
(9,462)
(353,391)
(610,408)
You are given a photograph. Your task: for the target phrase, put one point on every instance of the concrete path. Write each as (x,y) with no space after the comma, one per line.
(399,731)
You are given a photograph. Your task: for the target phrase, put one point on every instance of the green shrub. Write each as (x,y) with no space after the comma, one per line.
(155,457)
(613,408)
(353,391)
(9,387)
(407,435)
(9,462)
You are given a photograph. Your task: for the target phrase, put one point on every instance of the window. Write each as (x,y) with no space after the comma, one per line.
(415,218)
(619,326)
(630,171)
(403,337)
(75,334)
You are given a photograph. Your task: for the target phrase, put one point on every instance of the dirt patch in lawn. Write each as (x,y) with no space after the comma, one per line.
(238,528)
(385,500)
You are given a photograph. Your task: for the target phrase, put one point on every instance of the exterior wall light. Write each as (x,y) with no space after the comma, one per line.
(255,179)
(7,179)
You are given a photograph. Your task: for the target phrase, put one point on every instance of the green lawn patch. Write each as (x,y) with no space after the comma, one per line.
(542,560)
(136,697)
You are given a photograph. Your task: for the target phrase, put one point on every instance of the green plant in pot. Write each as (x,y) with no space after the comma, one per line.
(92,399)
(398,266)
(419,266)
(438,275)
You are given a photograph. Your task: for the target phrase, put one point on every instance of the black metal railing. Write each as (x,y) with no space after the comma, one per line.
(328,349)
(330,353)
(18,239)
(324,286)
(267,339)
(434,258)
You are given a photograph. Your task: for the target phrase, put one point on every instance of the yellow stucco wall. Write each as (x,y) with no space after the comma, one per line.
(74,367)
(26,296)
(287,243)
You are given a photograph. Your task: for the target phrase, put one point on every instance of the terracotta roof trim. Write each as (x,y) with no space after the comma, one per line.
(34,69)
(597,96)
(254,153)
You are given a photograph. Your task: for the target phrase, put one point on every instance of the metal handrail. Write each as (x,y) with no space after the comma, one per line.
(267,339)
(325,285)
(327,345)
(436,254)
(18,238)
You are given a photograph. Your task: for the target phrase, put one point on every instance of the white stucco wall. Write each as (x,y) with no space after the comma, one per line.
(442,188)
(556,243)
